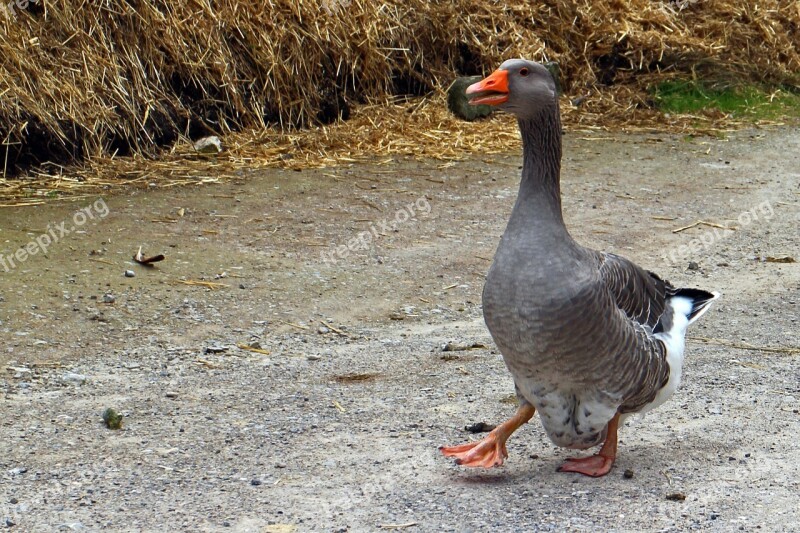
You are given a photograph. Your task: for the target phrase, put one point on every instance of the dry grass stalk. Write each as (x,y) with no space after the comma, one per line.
(198,283)
(787,350)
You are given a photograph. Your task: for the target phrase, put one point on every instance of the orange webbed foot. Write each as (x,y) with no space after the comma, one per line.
(490,451)
(594,466)
(600,464)
(486,453)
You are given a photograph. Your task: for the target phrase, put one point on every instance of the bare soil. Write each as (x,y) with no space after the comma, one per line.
(353,279)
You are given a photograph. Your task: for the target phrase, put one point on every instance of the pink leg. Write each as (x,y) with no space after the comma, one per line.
(600,464)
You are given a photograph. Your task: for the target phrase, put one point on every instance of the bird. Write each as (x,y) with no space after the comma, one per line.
(589,337)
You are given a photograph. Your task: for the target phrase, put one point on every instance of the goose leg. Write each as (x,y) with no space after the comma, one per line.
(600,464)
(491,450)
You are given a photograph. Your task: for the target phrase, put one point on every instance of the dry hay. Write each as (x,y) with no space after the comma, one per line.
(378,134)
(94,82)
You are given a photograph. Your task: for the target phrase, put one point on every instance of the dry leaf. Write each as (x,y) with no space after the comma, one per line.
(147,261)
(454,347)
(350,378)
(784,259)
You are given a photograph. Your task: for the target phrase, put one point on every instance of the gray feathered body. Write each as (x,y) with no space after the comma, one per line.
(574,354)
(575,326)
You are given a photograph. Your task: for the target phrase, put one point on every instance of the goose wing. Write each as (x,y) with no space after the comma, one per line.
(643,297)
(639,293)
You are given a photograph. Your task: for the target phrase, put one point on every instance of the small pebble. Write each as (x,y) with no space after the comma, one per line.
(313,357)
(693,265)
(21,372)
(323,330)
(628,474)
(171,394)
(72,377)
(208,145)
(130,273)
(215,349)
(479,427)
(112,419)
(109,299)
(255,482)
(676,497)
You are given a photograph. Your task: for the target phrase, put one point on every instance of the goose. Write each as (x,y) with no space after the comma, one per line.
(589,337)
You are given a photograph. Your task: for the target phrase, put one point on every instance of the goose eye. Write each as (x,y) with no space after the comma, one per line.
(523,71)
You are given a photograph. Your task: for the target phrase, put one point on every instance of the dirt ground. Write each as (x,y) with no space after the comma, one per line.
(351,281)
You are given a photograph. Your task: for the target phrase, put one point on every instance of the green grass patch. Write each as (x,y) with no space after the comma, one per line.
(747,101)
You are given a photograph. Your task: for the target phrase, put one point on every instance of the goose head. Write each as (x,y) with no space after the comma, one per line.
(519,87)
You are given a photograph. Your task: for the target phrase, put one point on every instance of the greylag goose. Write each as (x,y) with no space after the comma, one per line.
(589,337)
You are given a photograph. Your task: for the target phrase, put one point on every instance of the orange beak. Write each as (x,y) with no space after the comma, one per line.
(492,90)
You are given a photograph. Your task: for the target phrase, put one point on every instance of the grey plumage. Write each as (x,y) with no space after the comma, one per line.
(582,332)
(588,336)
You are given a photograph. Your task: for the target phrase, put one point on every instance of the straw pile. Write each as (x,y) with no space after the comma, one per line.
(86,81)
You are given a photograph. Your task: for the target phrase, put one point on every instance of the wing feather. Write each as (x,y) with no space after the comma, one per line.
(640,294)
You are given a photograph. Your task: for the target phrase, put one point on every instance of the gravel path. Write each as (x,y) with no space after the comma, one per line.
(350,281)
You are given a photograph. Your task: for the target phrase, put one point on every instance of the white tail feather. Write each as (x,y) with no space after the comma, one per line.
(685,310)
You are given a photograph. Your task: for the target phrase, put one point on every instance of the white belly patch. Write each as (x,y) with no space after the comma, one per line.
(571,420)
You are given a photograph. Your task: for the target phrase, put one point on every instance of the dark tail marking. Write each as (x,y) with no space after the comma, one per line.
(701,300)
